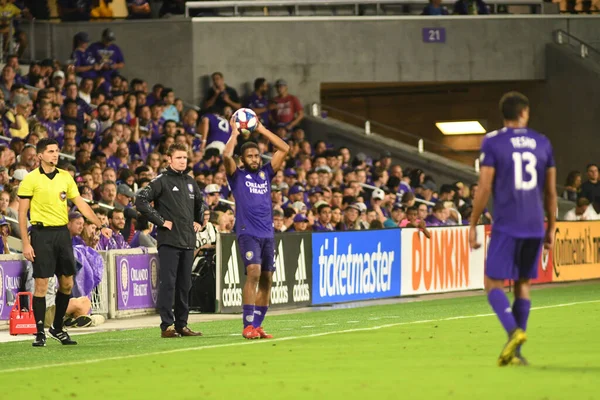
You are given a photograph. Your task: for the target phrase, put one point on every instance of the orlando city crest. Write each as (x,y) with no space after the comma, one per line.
(124,273)
(190,187)
(262,175)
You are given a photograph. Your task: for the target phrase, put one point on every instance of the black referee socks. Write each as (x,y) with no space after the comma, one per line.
(62,302)
(39,312)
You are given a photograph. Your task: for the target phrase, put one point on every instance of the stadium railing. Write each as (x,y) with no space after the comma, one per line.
(585,49)
(357,7)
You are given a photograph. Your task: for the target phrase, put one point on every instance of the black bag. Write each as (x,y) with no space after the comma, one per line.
(204,282)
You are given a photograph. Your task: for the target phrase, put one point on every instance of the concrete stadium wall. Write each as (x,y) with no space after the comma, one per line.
(182,53)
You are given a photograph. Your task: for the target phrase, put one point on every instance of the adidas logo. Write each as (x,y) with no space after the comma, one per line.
(301,290)
(232,295)
(279,290)
(175,189)
(248,176)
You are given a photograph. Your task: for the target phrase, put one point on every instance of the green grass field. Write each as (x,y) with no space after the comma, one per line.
(419,350)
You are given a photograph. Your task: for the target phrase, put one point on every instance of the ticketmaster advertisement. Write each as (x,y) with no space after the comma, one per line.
(353,266)
(291,279)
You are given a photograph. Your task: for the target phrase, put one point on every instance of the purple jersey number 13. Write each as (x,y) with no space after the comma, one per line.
(434,35)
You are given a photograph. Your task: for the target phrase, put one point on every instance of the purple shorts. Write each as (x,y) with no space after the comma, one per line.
(259,251)
(513,258)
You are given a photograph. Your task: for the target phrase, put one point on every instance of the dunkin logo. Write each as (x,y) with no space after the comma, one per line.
(124,272)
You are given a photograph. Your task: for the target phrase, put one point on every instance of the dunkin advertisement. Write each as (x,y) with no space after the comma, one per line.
(137,281)
(442,263)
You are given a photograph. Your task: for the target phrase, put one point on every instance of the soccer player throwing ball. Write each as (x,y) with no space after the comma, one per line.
(518,168)
(251,187)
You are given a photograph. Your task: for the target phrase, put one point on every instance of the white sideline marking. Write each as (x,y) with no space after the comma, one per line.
(352,322)
(307,326)
(257,342)
(330,324)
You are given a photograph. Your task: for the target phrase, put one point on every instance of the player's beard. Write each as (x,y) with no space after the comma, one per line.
(249,168)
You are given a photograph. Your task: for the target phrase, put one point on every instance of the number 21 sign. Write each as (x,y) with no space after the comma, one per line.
(434,35)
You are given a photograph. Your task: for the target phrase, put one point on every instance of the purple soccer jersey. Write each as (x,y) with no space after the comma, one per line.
(520,158)
(252,193)
(85,59)
(218,129)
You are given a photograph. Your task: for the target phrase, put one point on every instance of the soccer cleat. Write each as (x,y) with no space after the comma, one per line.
(62,336)
(519,360)
(517,338)
(40,340)
(83,321)
(250,332)
(263,334)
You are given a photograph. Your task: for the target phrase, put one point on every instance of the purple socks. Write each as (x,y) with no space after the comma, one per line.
(499,302)
(259,315)
(520,310)
(248,314)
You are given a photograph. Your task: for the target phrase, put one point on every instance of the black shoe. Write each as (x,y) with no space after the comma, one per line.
(83,321)
(62,336)
(40,340)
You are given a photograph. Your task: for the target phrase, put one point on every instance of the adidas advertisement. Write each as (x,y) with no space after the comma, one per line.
(291,280)
(354,266)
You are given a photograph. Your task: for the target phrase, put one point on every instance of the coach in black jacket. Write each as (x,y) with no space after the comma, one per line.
(179,213)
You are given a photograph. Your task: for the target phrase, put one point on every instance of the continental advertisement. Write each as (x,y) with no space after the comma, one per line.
(442,263)
(576,251)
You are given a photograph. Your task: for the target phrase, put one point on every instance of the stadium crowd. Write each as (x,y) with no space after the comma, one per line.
(114,133)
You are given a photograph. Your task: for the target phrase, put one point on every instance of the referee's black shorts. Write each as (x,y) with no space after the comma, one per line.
(53,250)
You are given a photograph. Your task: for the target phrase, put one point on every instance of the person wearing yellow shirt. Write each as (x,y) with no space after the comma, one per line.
(19,127)
(8,11)
(44,193)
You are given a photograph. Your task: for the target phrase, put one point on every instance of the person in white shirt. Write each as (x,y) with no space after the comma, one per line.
(583,211)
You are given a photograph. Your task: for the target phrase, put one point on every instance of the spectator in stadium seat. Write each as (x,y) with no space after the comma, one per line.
(69,114)
(19,127)
(300,223)
(276,196)
(108,55)
(142,237)
(351,219)
(438,216)
(84,111)
(470,7)
(572,186)
(590,189)
(259,102)
(123,202)
(75,227)
(323,222)
(396,216)
(412,221)
(170,111)
(29,158)
(278,220)
(486,217)
(138,9)
(213,195)
(583,211)
(289,112)
(116,220)
(8,80)
(215,131)
(190,121)
(84,61)
(435,7)
(219,95)
(109,147)
(108,193)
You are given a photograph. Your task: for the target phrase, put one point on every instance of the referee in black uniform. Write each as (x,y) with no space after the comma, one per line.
(45,192)
(179,213)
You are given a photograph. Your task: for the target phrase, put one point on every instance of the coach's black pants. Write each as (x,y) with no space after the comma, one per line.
(174,286)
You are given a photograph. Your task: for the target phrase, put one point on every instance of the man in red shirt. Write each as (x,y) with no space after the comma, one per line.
(289,110)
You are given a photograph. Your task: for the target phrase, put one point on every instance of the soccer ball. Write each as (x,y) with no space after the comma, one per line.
(245,120)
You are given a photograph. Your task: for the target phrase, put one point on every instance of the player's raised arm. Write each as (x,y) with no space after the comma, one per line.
(282,147)
(228,160)
(484,190)
(550,204)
